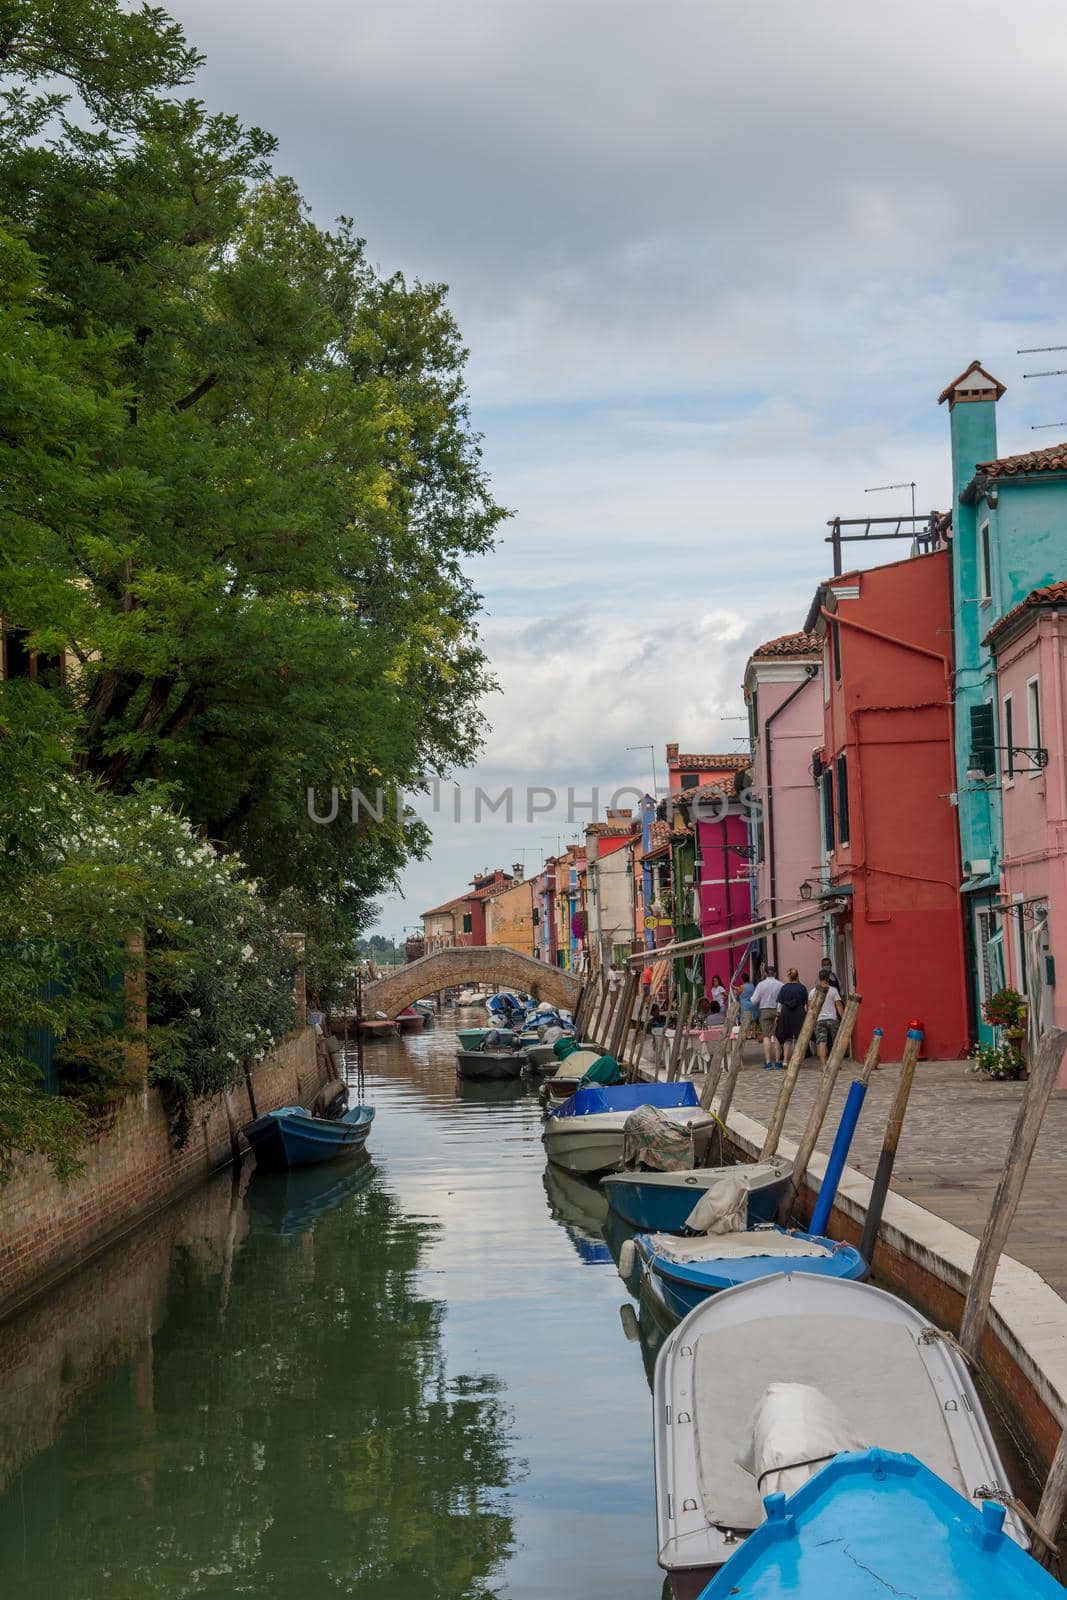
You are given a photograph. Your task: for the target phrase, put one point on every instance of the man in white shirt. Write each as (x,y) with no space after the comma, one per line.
(828,1018)
(764,999)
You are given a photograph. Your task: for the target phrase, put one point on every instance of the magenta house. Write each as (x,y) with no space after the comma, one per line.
(1029,647)
(784,695)
(720,891)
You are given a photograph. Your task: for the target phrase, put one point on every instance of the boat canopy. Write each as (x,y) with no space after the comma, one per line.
(599,1100)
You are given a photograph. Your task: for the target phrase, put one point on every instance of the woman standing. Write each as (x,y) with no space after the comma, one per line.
(792,1006)
(718,993)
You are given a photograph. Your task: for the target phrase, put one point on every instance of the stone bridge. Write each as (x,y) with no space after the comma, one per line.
(459,966)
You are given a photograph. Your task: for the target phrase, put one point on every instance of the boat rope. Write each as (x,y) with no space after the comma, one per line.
(791,1466)
(931,1334)
(1011,1502)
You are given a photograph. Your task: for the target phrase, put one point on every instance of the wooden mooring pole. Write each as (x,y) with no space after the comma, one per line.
(1053,1507)
(1036,1095)
(636,1043)
(623,1015)
(884,1171)
(820,1105)
(718,1054)
(737,1054)
(792,1072)
(684,1003)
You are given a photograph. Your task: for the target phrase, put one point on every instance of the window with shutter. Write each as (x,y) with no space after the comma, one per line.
(841,774)
(983,755)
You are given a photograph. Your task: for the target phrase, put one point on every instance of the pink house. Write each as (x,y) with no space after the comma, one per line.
(784,694)
(725,882)
(1029,647)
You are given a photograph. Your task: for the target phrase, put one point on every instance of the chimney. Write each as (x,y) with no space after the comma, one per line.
(672,753)
(518,871)
(972,403)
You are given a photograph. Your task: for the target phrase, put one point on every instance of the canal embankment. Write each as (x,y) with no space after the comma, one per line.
(132,1168)
(952,1151)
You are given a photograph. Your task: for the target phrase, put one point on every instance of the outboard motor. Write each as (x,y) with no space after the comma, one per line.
(331,1101)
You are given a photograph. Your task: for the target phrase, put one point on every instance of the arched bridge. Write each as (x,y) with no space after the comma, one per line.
(461,965)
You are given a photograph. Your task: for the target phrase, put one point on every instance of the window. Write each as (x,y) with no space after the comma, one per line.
(983,755)
(827,787)
(835,634)
(17,659)
(1022,983)
(1033,720)
(761,842)
(985,564)
(841,773)
(468,924)
(690,780)
(1009,740)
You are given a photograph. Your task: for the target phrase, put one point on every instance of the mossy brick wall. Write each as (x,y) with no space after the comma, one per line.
(131,1169)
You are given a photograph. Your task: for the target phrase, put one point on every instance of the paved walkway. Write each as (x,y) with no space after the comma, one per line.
(951,1150)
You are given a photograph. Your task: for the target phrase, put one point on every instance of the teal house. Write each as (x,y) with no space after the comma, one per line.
(1009,536)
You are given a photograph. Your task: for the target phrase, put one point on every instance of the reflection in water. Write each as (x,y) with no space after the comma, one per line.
(582,1208)
(341,1381)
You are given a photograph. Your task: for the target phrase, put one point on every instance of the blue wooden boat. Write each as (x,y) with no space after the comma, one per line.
(292,1137)
(660,1202)
(685,1271)
(292,1201)
(873,1524)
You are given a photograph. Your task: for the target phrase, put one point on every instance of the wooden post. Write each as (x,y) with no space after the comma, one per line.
(636,1043)
(135,989)
(792,1071)
(603,1012)
(623,1015)
(1053,1505)
(718,1055)
(1036,1095)
(585,994)
(737,1054)
(682,1017)
(884,1170)
(657,1053)
(819,1106)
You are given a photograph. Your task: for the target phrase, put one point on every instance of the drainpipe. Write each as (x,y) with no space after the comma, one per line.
(809,673)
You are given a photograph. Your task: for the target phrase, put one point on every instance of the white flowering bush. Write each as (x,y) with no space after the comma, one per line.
(80,871)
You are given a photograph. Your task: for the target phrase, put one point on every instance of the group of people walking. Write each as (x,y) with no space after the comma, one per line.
(777,1006)
(782,1006)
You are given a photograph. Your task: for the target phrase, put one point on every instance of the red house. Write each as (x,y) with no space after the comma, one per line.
(886,773)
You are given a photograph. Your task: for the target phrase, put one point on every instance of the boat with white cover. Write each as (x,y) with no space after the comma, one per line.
(587,1132)
(898,1383)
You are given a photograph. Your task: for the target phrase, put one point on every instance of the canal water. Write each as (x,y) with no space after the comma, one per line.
(400,1379)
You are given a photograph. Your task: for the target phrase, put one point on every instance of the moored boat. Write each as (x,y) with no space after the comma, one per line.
(292,1137)
(376,1027)
(661,1202)
(683,1272)
(876,1523)
(897,1382)
(491,1064)
(411,1020)
(586,1133)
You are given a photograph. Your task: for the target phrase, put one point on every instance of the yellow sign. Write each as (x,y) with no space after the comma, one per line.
(658,922)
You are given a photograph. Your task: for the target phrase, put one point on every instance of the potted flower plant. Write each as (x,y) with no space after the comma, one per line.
(1005,1010)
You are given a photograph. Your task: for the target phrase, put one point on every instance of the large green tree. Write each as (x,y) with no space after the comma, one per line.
(270,590)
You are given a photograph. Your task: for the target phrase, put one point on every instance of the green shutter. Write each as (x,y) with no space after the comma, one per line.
(983,756)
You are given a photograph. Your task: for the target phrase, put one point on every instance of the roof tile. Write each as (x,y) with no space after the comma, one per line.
(789,644)
(1053,458)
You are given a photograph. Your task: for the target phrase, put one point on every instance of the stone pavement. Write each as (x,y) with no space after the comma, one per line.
(952,1147)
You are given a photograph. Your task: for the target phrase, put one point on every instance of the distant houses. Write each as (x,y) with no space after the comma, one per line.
(901,806)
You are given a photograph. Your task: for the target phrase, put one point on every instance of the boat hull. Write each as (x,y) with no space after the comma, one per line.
(376,1027)
(287,1138)
(411,1021)
(488,1065)
(660,1202)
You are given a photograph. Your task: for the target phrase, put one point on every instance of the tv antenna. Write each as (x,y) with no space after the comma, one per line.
(883,488)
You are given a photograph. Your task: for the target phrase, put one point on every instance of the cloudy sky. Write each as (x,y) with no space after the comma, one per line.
(714,262)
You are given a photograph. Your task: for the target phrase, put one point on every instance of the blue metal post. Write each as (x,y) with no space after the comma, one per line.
(838,1155)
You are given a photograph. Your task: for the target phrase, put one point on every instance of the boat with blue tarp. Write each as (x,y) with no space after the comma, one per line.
(874,1523)
(587,1132)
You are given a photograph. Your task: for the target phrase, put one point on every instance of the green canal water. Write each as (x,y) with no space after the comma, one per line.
(402,1379)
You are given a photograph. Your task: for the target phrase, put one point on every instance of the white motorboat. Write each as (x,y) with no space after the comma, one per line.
(586,1133)
(898,1383)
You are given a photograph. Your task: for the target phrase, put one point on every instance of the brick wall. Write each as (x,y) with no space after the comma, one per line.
(131,1169)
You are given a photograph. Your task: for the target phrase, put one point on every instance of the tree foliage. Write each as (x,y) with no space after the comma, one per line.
(239,488)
